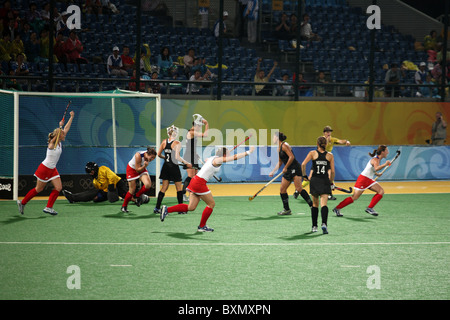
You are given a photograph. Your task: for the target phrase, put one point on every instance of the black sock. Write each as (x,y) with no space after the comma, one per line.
(314,215)
(186,183)
(285,199)
(324,214)
(180,196)
(305,196)
(160,199)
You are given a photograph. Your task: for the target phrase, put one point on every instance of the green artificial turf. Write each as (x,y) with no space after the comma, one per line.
(253,254)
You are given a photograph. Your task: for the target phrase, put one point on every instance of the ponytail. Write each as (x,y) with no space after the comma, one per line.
(378,151)
(281,136)
(322,142)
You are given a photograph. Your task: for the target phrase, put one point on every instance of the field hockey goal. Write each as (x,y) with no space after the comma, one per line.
(108,128)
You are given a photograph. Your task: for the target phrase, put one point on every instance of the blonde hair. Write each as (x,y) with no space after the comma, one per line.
(53,134)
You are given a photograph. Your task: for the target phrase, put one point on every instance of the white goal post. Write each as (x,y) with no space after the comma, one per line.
(114,95)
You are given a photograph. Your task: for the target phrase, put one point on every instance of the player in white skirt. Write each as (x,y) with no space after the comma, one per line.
(47,172)
(365,181)
(199,190)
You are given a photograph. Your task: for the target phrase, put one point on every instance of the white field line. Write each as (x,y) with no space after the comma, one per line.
(223,243)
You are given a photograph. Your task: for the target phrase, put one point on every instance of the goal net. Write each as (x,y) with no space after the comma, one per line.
(108,128)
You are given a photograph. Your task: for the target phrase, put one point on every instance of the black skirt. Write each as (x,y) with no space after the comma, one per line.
(319,186)
(170,172)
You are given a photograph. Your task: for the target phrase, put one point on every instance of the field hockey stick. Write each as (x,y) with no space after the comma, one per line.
(64,115)
(240,143)
(350,190)
(395,158)
(278,175)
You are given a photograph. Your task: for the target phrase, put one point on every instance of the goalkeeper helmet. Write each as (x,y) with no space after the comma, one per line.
(92,166)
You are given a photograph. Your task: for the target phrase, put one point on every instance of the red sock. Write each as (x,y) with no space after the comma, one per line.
(345,203)
(127,199)
(205,215)
(52,198)
(375,200)
(182,207)
(30,195)
(141,191)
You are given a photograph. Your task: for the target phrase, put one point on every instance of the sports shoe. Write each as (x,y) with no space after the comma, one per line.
(285,212)
(331,197)
(205,229)
(50,211)
(184,212)
(324,228)
(21,206)
(296,193)
(138,202)
(124,209)
(371,211)
(68,195)
(185,198)
(157,211)
(338,212)
(314,229)
(163,213)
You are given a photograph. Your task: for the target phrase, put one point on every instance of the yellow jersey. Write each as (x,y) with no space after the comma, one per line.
(331,144)
(104,178)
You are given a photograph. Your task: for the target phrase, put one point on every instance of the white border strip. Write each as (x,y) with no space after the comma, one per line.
(224,243)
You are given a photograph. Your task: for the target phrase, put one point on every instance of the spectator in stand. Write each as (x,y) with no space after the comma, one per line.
(261,89)
(45,12)
(251,13)
(320,90)
(92,7)
(166,65)
(17,47)
(115,66)
(59,49)
(132,84)
(25,32)
(293,25)
(306,30)
(61,25)
(427,92)
(33,48)
(20,68)
(155,87)
(392,80)
(430,41)
(421,74)
(188,61)
(73,48)
(5,47)
(194,88)
(13,26)
(144,64)
(282,30)
(285,89)
(33,17)
(303,90)
(437,70)
(127,61)
(216,28)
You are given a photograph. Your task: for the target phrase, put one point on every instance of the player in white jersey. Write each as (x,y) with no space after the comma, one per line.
(365,181)
(199,190)
(137,169)
(47,171)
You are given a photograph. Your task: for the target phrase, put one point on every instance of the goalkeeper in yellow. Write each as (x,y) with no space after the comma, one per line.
(331,141)
(107,186)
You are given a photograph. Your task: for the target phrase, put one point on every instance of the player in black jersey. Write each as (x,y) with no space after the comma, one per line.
(292,172)
(190,153)
(170,170)
(321,177)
